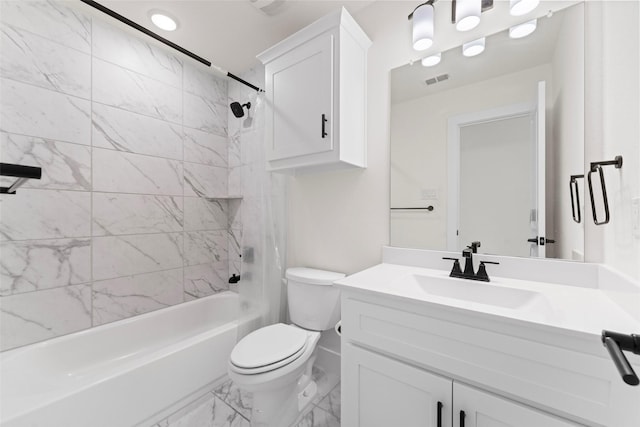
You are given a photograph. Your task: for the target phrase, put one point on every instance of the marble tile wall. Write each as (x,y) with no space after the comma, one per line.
(130,214)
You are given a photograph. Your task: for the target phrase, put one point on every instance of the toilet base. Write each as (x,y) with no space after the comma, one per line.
(280,408)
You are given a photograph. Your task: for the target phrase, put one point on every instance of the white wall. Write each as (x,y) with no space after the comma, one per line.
(418,164)
(565,153)
(340,220)
(613,128)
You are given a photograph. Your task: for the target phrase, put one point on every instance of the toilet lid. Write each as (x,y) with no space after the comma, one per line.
(269,345)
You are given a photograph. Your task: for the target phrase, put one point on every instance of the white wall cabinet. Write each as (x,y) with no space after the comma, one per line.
(316,97)
(379,391)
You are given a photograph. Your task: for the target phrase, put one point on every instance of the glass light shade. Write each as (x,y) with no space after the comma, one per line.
(473,48)
(432,60)
(468,14)
(523,30)
(163,21)
(423,27)
(522,7)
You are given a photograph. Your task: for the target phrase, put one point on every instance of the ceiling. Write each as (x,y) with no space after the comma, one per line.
(502,55)
(230,33)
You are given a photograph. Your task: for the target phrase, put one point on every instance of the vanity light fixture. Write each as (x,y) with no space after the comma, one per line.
(522,7)
(423,17)
(523,30)
(474,47)
(432,60)
(163,20)
(467,14)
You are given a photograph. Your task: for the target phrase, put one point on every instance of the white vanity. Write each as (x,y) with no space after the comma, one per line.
(422,349)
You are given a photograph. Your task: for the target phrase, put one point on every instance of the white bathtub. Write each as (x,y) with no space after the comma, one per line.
(119,374)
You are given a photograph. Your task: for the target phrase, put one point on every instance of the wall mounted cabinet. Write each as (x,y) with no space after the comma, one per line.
(316,97)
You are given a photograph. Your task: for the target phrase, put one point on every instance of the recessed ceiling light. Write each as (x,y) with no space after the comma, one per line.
(163,20)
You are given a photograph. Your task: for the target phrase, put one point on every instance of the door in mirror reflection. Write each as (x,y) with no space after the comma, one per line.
(497,188)
(498,184)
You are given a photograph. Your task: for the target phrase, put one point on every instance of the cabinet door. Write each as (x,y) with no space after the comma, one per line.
(482,409)
(301,92)
(381,392)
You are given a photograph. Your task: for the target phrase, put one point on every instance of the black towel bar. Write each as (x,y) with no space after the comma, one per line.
(23,173)
(575,201)
(597,167)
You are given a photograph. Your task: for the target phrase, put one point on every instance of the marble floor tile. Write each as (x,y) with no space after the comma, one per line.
(331,402)
(211,412)
(318,418)
(238,400)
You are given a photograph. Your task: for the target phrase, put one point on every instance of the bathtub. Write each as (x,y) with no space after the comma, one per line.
(120,374)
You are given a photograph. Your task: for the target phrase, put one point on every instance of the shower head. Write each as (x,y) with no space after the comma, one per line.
(238,109)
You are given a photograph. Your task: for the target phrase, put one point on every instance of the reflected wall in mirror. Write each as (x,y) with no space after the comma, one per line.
(490,142)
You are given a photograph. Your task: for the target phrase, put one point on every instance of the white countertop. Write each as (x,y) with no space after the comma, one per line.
(586,309)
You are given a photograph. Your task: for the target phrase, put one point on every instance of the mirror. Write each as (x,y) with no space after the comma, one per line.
(483,147)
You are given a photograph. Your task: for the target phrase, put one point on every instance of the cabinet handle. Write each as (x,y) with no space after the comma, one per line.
(462,415)
(439,424)
(324,122)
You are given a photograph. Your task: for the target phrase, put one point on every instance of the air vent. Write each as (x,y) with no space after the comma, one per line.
(437,79)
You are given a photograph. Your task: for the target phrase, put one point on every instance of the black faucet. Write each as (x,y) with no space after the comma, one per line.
(469,272)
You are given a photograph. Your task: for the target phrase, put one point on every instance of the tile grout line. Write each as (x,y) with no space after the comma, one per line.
(91,160)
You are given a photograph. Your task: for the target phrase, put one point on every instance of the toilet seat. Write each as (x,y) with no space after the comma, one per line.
(268,348)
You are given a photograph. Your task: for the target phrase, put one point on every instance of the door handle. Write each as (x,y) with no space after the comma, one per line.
(540,241)
(462,416)
(324,122)
(439,423)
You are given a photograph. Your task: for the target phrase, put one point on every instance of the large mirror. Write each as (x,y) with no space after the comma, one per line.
(483,148)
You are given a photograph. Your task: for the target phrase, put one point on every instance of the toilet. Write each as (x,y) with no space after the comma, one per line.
(275,362)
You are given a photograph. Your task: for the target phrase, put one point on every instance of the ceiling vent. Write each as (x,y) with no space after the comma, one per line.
(438,79)
(268,7)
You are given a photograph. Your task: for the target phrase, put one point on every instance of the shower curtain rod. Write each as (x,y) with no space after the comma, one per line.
(161,39)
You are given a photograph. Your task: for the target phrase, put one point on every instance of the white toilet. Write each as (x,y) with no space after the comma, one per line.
(274,363)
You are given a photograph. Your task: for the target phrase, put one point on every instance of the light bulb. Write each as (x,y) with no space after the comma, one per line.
(423,27)
(432,60)
(473,48)
(523,30)
(468,14)
(522,7)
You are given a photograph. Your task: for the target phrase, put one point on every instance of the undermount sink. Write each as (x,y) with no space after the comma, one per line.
(471,291)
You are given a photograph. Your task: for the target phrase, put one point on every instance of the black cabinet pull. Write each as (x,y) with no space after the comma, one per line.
(462,415)
(324,122)
(439,424)
(615,343)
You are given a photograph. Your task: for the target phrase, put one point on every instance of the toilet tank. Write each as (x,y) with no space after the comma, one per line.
(314,303)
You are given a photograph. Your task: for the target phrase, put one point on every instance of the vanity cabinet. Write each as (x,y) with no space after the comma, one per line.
(316,97)
(400,355)
(379,391)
